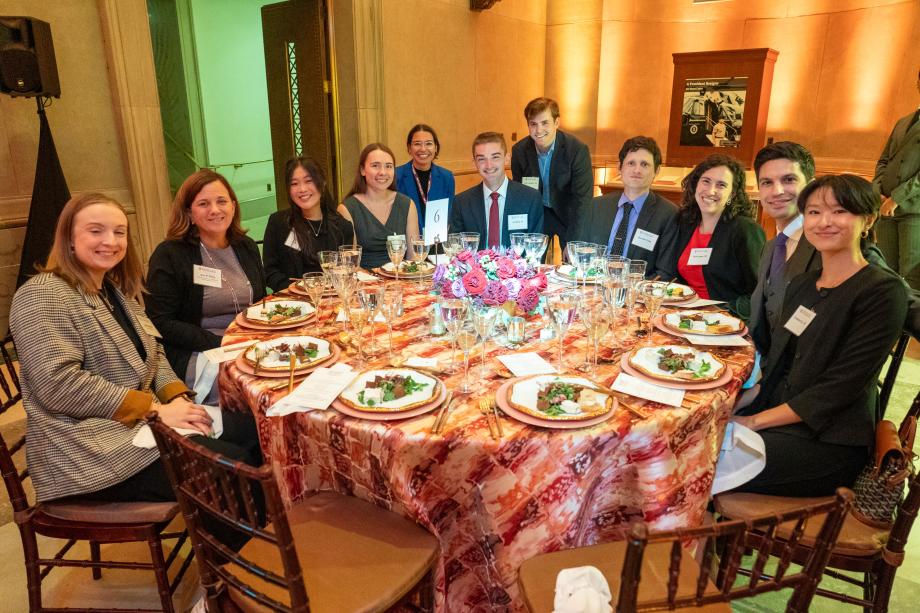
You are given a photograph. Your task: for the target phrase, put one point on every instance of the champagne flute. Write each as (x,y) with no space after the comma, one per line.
(484,321)
(536,245)
(562,308)
(392,305)
(356,313)
(453,312)
(518,243)
(596,318)
(371,297)
(343,280)
(315,284)
(652,295)
(419,254)
(466,338)
(396,249)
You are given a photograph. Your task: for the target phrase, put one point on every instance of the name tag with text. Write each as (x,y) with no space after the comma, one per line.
(292,241)
(644,239)
(800,320)
(699,256)
(205,275)
(517,222)
(148,327)
(533,182)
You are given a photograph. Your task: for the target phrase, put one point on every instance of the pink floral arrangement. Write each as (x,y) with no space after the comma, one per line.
(491,277)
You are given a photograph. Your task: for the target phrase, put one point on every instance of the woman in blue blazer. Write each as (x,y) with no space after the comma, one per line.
(420,178)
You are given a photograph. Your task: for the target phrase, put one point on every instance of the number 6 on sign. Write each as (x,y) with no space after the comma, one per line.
(436,221)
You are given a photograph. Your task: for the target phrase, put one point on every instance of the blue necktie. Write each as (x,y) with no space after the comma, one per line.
(778,262)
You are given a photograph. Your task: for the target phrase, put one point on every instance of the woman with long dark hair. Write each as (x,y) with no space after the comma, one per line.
(718,243)
(311,224)
(420,178)
(817,401)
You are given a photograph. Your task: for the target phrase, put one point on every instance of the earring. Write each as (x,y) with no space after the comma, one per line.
(865,233)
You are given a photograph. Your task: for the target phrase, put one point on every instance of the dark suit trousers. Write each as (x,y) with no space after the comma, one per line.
(554,226)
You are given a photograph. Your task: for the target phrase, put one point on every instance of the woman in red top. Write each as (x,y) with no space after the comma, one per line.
(718,242)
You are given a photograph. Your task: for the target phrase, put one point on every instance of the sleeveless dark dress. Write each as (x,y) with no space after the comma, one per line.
(371,234)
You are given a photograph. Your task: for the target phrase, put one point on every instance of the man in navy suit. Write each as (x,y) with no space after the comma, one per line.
(496,207)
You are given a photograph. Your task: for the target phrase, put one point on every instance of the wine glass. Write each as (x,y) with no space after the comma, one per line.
(315,284)
(535,245)
(327,259)
(562,309)
(466,339)
(356,313)
(350,255)
(470,241)
(615,288)
(518,243)
(453,312)
(392,305)
(653,293)
(344,283)
(371,297)
(419,253)
(636,272)
(453,245)
(584,256)
(484,321)
(396,249)
(596,318)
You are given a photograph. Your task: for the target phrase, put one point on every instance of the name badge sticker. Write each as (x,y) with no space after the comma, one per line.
(644,239)
(800,320)
(292,241)
(148,327)
(699,256)
(533,182)
(517,222)
(205,275)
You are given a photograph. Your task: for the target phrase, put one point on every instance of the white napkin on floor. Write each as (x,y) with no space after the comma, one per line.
(581,590)
(742,457)
(144,437)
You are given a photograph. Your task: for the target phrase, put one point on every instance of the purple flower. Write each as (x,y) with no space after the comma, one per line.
(513,286)
(439,271)
(457,289)
(521,268)
(528,299)
(495,294)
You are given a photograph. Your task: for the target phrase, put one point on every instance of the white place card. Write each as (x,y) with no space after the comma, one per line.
(436,217)
(218,355)
(366,277)
(316,392)
(528,363)
(728,340)
(699,302)
(419,362)
(634,386)
(438,258)
(379,318)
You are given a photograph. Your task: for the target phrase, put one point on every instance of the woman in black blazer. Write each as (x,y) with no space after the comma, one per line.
(295,235)
(715,215)
(204,273)
(816,406)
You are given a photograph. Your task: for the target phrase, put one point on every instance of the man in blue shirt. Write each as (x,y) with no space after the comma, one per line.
(557,164)
(636,222)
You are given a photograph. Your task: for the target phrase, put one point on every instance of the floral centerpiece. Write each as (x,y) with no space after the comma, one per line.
(494,277)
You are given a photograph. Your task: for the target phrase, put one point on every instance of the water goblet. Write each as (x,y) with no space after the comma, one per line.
(470,241)
(350,255)
(453,312)
(535,245)
(396,249)
(327,260)
(453,245)
(562,309)
(636,272)
(518,243)
(419,253)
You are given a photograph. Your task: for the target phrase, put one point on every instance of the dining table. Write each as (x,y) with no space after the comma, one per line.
(495,501)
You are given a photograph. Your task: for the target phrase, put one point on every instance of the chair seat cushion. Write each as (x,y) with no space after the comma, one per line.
(537,575)
(96,512)
(354,556)
(856,538)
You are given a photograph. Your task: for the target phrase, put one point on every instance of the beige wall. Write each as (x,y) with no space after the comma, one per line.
(82,121)
(460,71)
(846,69)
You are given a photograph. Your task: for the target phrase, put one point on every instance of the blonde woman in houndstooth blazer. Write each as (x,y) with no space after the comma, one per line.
(91,368)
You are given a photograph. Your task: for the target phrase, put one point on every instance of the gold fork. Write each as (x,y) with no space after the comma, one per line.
(484,408)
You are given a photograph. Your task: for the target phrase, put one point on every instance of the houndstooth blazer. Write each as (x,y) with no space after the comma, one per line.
(85,387)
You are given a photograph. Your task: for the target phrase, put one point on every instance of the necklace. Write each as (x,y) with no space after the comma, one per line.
(104,295)
(225,279)
(315,229)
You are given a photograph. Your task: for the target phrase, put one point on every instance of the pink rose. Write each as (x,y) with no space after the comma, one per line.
(528,299)
(537,282)
(506,269)
(495,294)
(465,256)
(475,281)
(446,289)
(488,252)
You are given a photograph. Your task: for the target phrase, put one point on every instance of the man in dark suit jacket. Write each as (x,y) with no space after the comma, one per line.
(496,207)
(557,164)
(650,224)
(783,169)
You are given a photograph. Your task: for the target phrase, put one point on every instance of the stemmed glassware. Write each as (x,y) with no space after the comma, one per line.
(562,308)
(453,312)
(652,295)
(453,245)
(392,305)
(396,249)
(596,318)
(484,321)
(315,285)
(350,256)
(518,243)
(615,286)
(466,339)
(356,313)
(344,283)
(573,249)
(535,245)
(635,276)
(419,253)
(371,297)
(470,241)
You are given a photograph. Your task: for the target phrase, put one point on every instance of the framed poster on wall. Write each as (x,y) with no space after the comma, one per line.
(719,102)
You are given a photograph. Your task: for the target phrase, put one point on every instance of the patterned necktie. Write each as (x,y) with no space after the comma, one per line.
(494,235)
(778,262)
(619,239)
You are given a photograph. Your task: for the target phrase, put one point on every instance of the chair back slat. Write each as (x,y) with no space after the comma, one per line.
(886,385)
(11,395)
(211,488)
(703,580)
(761,534)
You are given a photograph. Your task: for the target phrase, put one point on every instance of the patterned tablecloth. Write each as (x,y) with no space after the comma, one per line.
(493,504)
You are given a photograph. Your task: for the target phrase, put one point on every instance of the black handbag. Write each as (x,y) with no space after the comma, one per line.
(880,486)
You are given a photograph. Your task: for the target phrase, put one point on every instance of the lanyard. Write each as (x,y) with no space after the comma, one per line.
(418,185)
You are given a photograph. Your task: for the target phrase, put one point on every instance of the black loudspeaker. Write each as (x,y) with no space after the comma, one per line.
(27,64)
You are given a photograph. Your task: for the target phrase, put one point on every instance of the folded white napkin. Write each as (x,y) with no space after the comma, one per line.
(581,590)
(742,458)
(144,437)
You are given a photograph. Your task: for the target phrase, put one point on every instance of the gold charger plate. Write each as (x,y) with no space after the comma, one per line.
(640,356)
(348,397)
(248,355)
(308,311)
(537,381)
(718,330)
